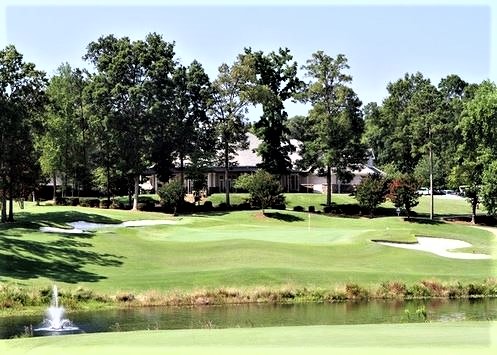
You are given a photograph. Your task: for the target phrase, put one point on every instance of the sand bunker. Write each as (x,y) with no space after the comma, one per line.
(83,227)
(439,246)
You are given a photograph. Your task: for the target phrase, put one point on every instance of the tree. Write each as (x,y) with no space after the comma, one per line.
(276,81)
(21,100)
(231,98)
(371,192)
(402,193)
(172,195)
(123,96)
(64,142)
(489,188)
(335,125)
(264,189)
(389,130)
(478,147)
(194,129)
(425,111)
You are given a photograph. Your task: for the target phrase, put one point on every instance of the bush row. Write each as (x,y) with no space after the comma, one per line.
(13,296)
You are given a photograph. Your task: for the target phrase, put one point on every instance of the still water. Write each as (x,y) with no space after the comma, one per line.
(253,315)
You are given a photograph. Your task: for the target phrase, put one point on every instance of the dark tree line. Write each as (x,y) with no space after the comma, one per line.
(139,107)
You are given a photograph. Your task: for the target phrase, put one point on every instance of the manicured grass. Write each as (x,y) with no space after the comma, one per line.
(443,205)
(466,338)
(237,249)
(292,199)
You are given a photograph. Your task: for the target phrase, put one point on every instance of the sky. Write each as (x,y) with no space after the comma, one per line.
(382,40)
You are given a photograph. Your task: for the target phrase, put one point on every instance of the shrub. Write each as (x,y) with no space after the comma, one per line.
(312,209)
(244,206)
(264,189)
(355,292)
(476,290)
(72,201)
(279,206)
(60,201)
(146,206)
(418,291)
(116,205)
(172,194)
(402,193)
(371,192)
(207,206)
(222,206)
(392,289)
(105,204)
(327,209)
(298,209)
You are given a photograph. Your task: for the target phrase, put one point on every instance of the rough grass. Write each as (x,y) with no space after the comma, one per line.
(466,338)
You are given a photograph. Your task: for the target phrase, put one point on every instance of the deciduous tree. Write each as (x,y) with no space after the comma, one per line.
(335,125)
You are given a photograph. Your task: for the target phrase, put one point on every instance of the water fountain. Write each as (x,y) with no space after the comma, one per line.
(55,321)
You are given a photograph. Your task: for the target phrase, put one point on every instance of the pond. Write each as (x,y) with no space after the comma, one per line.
(253,315)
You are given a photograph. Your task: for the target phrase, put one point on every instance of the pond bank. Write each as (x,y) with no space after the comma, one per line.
(17,299)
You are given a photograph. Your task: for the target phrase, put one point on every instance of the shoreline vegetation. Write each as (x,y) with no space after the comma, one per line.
(21,300)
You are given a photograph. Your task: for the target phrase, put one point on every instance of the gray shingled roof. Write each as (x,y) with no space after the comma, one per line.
(249,157)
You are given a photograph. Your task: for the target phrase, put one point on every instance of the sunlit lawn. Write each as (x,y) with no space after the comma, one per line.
(238,249)
(464,338)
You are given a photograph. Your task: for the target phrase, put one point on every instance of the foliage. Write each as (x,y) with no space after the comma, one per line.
(65,141)
(371,192)
(478,146)
(127,95)
(334,125)
(489,188)
(22,98)
(390,128)
(193,129)
(276,81)
(402,193)
(172,195)
(264,189)
(232,90)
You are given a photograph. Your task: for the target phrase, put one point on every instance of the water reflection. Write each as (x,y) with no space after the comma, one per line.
(253,315)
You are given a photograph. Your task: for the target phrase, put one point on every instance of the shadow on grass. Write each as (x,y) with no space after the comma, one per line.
(422,221)
(59,257)
(283,217)
(61,217)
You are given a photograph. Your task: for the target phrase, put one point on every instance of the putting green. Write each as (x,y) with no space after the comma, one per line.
(466,338)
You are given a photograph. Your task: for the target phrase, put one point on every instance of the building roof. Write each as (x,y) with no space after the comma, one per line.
(248,157)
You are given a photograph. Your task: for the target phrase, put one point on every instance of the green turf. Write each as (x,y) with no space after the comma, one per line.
(443,205)
(237,249)
(467,338)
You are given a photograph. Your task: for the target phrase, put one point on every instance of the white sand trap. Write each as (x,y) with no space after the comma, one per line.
(439,246)
(83,227)
(62,230)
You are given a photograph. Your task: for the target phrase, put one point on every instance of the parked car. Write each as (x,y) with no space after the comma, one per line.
(423,191)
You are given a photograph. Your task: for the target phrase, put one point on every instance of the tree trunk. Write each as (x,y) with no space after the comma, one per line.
(181,171)
(474,203)
(226,172)
(11,204)
(108,184)
(64,185)
(54,187)
(431,184)
(136,193)
(328,181)
(4,205)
